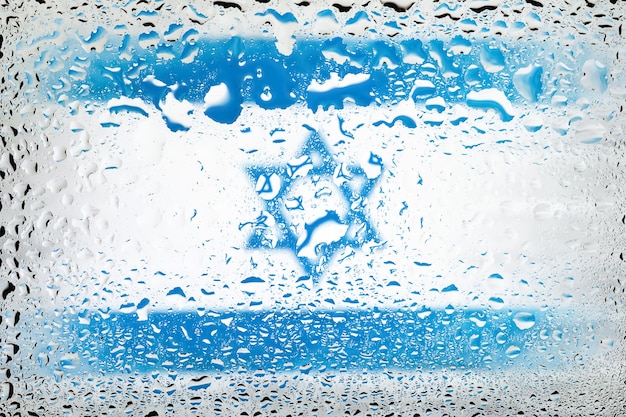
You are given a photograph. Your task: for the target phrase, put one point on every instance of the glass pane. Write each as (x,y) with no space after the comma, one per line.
(297,208)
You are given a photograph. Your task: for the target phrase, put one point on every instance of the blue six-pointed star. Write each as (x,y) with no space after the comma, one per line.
(314,205)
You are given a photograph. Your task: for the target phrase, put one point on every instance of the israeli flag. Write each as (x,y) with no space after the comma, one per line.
(288,197)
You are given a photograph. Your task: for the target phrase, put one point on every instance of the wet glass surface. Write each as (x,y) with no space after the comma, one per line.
(297,208)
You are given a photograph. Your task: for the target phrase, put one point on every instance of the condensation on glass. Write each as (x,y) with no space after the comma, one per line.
(305,208)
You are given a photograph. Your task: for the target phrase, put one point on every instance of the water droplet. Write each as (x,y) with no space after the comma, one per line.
(589,132)
(474,342)
(268,187)
(492,59)
(594,76)
(524,320)
(492,98)
(513,351)
(527,81)
(542,211)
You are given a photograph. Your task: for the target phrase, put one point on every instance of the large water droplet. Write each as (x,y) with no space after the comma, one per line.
(524,320)
(594,76)
(492,98)
(590,131)
(492,59)
(268,187)
(527,81)
(513,351)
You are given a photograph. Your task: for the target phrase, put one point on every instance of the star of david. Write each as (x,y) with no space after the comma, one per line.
(314,205)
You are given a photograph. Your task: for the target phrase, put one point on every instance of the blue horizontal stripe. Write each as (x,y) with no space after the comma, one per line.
(255,72)
(310,341)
